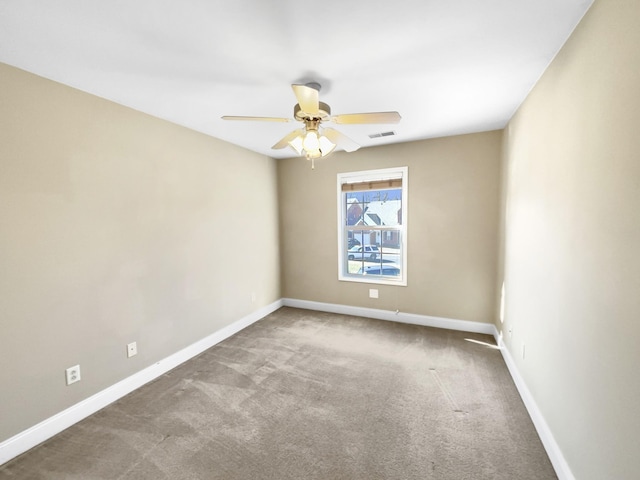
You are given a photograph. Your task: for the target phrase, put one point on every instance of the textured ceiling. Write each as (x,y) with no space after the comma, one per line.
(449,67)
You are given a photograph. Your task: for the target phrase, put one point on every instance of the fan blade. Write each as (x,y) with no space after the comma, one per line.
(374,117)
(340,139)
(307,98)
(258,119)
(285,141)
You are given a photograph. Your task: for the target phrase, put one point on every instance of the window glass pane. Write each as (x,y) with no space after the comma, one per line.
(374,208)
(354,210)
(356,238)
(366,256)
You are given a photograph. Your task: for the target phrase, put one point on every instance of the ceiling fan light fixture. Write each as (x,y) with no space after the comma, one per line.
(296,144)
(312,154)
(311,141)
(317,145)
(326,146)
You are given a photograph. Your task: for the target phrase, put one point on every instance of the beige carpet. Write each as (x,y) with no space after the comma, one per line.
(308,395)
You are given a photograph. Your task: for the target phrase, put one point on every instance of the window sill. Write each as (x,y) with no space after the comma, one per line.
(372,280)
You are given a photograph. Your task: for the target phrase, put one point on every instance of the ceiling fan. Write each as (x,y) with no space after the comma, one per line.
(313,140)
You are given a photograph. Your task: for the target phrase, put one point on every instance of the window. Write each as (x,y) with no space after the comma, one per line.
(372,227)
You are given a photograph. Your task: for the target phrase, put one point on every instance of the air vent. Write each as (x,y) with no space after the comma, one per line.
(383,134)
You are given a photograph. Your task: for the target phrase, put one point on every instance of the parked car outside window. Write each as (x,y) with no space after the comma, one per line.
(389,270)
(360,252)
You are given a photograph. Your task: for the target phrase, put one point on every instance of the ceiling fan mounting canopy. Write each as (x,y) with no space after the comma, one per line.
(314,141)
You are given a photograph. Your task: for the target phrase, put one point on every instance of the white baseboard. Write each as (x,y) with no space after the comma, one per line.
(544,432)
(46,429)
(402,317)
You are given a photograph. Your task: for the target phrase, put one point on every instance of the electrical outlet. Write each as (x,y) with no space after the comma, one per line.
(132,349)
(523,351)
(373,293)
(73,374)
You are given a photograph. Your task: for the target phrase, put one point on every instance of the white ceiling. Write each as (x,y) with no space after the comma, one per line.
(448,66)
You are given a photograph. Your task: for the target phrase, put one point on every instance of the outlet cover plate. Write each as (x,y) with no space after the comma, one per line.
(73,374)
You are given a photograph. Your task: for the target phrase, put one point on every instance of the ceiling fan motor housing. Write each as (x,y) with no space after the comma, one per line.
(323,113)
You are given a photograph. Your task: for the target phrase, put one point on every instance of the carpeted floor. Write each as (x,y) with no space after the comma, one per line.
(309,395)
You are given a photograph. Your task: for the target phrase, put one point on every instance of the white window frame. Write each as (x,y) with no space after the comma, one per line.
(371,176)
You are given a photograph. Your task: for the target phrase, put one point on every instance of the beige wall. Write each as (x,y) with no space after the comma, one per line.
(452,230)
(117,227)
(572,239)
